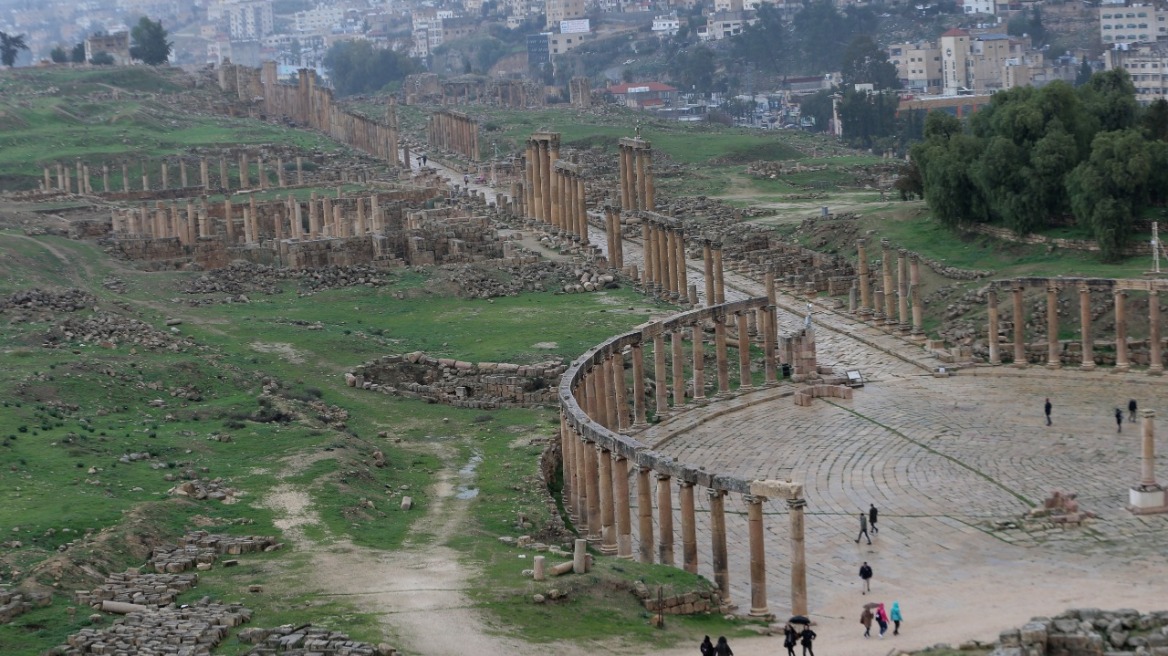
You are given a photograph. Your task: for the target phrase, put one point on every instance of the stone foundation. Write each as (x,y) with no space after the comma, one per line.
(483,385)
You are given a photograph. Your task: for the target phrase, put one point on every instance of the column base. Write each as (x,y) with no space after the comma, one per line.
(1020,365)
(1122,367)
(1053,365)
(917,336)
(995,363)
(624,547)
(1087,366)
(1156,370)
(608,549)
(1147,500)
(760,612)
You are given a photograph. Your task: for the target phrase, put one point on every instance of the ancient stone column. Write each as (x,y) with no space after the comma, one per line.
(744,380)
(758,596)
(992,331)
(673,275)
(546,168)
(689,536)
(644,516)
(145,177)
(699,365)
(105,183)
(228,220)
(889,283)
(165,175)
(1148,456)
(677,361)
(624,523)
(610,233)
(718,555)
(607,507)
(1085,327)
(769,346)
(224,180)
(902,290)
(660,375)
(682,274)
(558,191)
(1019,328)
(1155,358)
(647,238)
(719,276)
(244,173)
(47,184)
(642,191)
(608,387)
(581,211)
(568,463)
(248,233)
(618,385)
(583,455)
(1121,360)
(638,386)
(625,178)
(708,263)
(721,354)
(664,520)
(260,171)
(125,177)
(795,508)
(1052,341)
(592,481)
(300,169)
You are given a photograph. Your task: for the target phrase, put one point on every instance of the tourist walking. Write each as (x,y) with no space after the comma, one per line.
(882,619)
(866,619)
(1131,411)
(707,647)
(863,529)
(1118,420)
(790,638)
(1047,407)
(872,513)
(723,647)
(865,578)
(806,639)
(896,618)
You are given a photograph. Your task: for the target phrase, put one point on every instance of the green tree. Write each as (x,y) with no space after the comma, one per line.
(1154,121)
(77,55)
(102,59)
(1110,97)
(817,106)
(867,116)
(1084,74)
(766,43)
(10,47)
(866,63)
(358,67)
(1108,191)
(59,55)
(694,69)
(148,42)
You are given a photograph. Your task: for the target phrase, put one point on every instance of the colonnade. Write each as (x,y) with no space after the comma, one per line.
(569,211)
(543,149)
(249,223)
(888,304)
(1119,289)
(664,249)
(601,406)
(612,232)
(79,178)
(636,174)
(454,131)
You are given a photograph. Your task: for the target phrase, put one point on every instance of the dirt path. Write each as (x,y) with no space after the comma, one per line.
(417,591)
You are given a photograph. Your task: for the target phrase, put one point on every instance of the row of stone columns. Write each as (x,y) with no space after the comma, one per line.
(325,220)
(543,149)
(454,131)
(664,248)
(636,174)
(715,276)
(569,211)
(62,177)
(612,232)
(888,305)
(1120,293)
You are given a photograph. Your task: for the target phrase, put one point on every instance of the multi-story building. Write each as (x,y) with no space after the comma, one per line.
(560,10)
(1147,64)
(249,20)
(918,65)
(666,25)
(956,67)
(1134,24)
(321,19)
(116,45)
(721,25)
(977,6)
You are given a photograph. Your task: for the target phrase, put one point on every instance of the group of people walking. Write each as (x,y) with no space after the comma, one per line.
(875,611)
(1132,407)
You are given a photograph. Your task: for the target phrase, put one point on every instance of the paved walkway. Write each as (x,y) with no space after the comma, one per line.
(945,460)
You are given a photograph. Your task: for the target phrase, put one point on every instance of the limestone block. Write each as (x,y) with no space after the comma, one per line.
(774,489)
(407,503)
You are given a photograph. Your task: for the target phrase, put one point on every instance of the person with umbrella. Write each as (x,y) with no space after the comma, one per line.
(866,619)
(806,638)
(882,619)
(790,638)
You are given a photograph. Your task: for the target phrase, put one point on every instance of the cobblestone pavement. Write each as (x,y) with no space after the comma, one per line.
(942,459)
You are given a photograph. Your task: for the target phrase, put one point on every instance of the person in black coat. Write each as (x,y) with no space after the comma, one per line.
(723,647)
(707,647)
(1131,411)
(866,578)
(1118,420)
(806,639)
(872,514)
(790,639)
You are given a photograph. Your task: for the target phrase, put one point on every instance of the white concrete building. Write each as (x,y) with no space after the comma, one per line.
(321,19)
(666,25)
(1134,24)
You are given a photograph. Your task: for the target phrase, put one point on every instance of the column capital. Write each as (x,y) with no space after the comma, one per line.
(914,257)
(1153,292)
(861,241)
(1147,414)
(1119,292)
(684,483)
(663,477)
(795,504)
(713,493)
(753,498)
